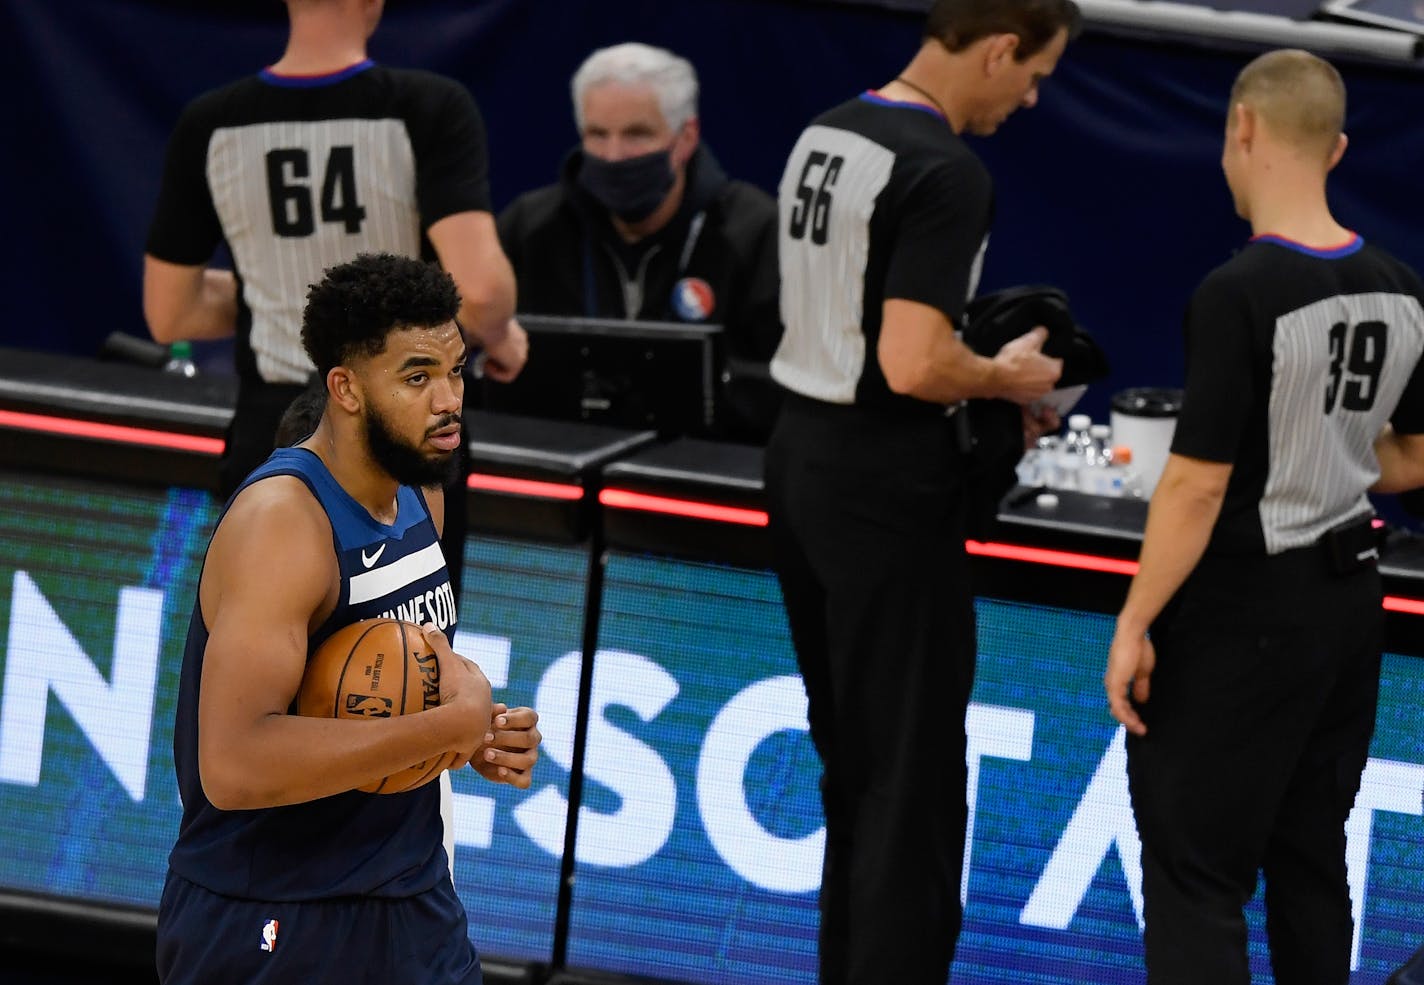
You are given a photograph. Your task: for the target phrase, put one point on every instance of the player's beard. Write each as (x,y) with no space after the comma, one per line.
(406,463)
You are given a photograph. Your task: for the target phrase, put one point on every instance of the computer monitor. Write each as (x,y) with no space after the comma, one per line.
(639,374)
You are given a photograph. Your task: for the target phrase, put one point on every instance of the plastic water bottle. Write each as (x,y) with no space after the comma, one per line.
(1072,455)
(180,360)
(1132,486)
(1116,477)
(1076,440)
(1099,449)
(1028,470)
(1070,471)
(1039,466)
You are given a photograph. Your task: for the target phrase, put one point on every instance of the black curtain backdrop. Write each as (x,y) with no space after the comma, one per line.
(1110,188)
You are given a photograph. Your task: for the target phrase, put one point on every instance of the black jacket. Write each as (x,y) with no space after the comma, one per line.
(569,260)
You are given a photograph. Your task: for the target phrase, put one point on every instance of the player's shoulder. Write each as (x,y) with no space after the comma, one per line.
(421,85)
(214,106)
(277,508)
(1268,264)
(1405,277)
(273,547)
(914,140)
(418,78)
(1235,285)
(1255,264)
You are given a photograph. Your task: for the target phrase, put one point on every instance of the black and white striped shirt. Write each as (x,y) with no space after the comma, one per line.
(1296,358)
(298,174)
(880,199)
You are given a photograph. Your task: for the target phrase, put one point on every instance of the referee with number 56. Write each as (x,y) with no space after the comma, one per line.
(884,217)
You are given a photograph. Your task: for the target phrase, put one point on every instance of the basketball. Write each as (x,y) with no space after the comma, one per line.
(376,668)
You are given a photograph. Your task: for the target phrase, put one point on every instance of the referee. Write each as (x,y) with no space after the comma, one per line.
(884,216)
(319,157)
(1258,573)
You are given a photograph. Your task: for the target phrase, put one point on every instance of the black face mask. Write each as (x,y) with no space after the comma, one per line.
(633,188)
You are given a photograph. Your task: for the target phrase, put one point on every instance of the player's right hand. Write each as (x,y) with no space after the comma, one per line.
(1025,372)
(513,747)
(462,685)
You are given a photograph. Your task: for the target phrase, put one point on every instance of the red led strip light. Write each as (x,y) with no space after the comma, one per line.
(1414,607)
(1059,559)
(121,433)
(616,498)
(624,500)
(523,487)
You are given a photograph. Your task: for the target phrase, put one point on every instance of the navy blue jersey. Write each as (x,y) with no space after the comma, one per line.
(351,844)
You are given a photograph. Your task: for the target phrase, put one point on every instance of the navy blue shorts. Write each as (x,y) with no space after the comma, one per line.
(207,939)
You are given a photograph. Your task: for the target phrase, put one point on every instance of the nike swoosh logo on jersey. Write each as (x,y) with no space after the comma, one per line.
(368,561)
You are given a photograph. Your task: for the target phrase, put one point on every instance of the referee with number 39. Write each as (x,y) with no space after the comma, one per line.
(884,215)
(1250,709)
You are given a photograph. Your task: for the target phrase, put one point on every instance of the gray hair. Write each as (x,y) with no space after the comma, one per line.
(672,78)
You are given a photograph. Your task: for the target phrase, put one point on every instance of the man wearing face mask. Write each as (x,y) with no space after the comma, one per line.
(645,225)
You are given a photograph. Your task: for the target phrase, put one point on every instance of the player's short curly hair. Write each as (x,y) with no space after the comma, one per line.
(355,305)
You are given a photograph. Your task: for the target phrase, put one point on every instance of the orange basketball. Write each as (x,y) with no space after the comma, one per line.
(376,668)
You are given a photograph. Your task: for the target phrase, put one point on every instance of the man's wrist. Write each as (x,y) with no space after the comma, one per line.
(486,335)
(991,380)
(1130,623)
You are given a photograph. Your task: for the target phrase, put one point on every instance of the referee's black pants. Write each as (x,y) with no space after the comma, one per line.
(1259,723)
(867,526)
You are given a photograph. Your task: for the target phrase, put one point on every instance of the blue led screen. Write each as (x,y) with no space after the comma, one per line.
(699,833)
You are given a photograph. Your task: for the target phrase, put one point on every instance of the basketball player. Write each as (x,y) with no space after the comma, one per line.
(1250,709)
(282,871)
(884,217)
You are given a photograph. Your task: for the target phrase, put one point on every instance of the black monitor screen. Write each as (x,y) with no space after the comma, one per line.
(657,375)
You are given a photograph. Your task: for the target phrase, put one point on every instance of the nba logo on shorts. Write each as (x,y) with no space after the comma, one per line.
(269,935)
(692,299)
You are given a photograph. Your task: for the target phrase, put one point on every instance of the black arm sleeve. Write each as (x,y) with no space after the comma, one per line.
(185,227)
(944,222)
(451,156)
(1221,378)
(1408,416)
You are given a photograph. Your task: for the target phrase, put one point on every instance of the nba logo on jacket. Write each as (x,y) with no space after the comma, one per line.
(692,299)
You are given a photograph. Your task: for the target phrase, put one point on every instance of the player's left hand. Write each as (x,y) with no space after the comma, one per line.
(511,747)
(1130,662)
